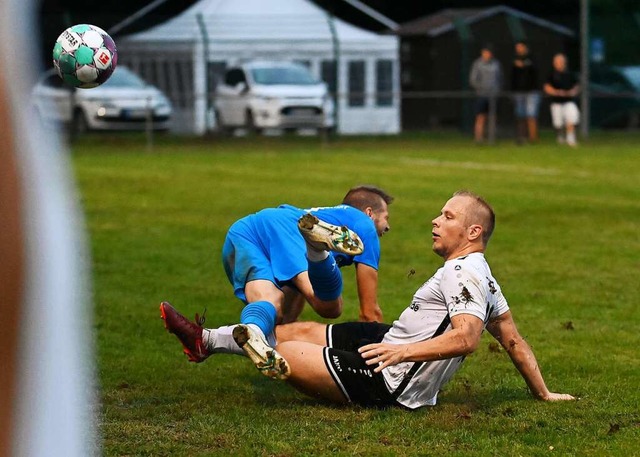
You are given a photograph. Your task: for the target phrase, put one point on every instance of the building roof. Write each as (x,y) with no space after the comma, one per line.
(443,21)
(258,20)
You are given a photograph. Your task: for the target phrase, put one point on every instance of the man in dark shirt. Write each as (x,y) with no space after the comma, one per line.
(524,85)
(563,87)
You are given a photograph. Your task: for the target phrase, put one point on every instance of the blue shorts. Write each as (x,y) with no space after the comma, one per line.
(526,104)
(250,252)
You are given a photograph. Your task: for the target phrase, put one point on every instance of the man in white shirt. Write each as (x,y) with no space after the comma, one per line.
(408,362)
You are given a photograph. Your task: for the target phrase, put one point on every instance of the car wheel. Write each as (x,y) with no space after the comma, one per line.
(251,124)
(79,124)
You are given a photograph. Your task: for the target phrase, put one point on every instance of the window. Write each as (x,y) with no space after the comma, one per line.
(234,77)
(294,75)
(384,82)
(328,75)
(357,84)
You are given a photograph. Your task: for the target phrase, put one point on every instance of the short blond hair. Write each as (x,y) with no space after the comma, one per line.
(481,213)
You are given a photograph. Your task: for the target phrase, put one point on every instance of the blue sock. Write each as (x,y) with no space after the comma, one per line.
(326,279)
(260,313)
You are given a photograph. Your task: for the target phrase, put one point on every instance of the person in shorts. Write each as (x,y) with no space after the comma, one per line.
(278,258)
(562,86)
(486,79)
(526,94)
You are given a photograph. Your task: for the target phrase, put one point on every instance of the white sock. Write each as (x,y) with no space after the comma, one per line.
(316,256)
(270,338)
(220,340)
(571,138)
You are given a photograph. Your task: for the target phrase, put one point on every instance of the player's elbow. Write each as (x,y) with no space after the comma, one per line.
(467,344)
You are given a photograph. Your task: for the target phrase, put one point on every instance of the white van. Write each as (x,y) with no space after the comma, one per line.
(260,95)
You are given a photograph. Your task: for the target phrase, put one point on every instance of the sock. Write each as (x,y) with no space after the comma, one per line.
(220,340)
(571,138)
(316,256)
(260,313)
(326,279)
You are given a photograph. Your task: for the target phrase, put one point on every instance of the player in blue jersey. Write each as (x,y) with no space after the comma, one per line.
(280,257)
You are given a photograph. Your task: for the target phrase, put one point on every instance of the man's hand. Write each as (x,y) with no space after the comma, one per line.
(383,354)
(552,396)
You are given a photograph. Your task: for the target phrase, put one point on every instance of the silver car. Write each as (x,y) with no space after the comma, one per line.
(123,102)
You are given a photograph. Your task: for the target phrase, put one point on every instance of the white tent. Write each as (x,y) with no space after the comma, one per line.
(185,55)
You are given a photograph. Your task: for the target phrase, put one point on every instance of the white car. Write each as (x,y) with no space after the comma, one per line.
(123,102)
(261,95)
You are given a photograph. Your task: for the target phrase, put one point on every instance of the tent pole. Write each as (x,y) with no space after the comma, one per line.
(205,48)
(584,67)
(336,58)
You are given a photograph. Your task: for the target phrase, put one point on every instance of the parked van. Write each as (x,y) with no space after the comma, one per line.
(261,95)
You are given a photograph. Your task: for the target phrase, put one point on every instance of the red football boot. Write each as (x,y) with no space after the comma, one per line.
(189,333)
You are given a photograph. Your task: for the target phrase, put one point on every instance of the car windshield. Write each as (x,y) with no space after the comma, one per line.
(283,75)
(633,75)
(122,77)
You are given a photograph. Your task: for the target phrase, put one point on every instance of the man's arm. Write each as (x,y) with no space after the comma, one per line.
(504,329)
(462,339)
(367,279)
(473,75)
(549,89)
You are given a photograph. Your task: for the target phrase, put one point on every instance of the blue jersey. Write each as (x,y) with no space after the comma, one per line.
(268,245)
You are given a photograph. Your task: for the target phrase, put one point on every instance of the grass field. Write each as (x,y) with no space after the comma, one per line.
(566,251)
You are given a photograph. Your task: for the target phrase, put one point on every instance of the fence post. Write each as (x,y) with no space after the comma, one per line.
(336,57)
(149,124)
(491,121)
(584,67)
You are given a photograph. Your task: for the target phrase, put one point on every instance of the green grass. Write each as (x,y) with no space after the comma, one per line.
(566,251)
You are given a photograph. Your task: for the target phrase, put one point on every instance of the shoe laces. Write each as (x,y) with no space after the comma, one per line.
(201,319)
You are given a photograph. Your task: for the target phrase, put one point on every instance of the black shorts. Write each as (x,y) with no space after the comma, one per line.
(482,105)
(352,375)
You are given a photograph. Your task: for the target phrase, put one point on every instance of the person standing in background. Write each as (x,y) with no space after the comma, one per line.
(486,79)
(524,85)
(563,87)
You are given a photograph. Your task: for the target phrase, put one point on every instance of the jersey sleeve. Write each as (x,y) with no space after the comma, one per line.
(501,305)
(463,291)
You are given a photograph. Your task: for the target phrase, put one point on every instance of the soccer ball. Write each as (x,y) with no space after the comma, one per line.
(84,56)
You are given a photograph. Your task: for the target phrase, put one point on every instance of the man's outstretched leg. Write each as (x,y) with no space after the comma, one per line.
(198,342)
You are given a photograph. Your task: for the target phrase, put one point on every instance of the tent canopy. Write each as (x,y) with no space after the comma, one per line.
(260,20)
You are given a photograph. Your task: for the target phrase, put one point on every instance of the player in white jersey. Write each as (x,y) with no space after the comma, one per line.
(408,362)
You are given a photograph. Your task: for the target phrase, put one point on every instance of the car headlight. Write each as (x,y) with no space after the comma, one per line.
(106,109)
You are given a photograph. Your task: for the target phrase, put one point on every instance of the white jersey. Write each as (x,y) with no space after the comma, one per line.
(462,286)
